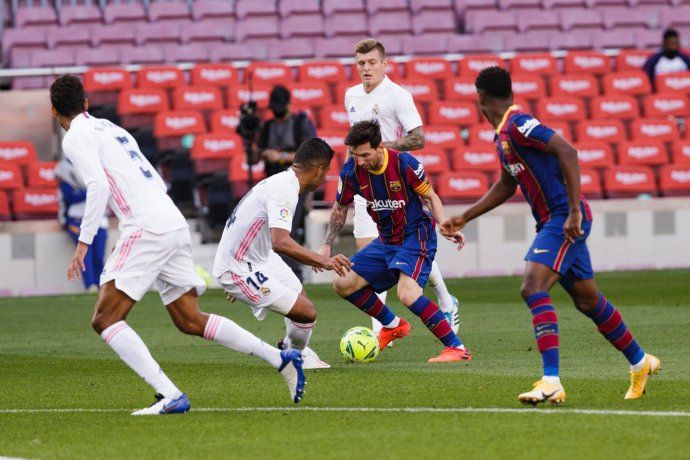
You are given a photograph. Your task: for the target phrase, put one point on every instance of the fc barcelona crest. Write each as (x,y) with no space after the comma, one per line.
(505,145)
(394,186)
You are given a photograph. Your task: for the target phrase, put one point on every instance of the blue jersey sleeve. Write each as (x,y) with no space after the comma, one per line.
(527,131)
(347,185)
(413,172)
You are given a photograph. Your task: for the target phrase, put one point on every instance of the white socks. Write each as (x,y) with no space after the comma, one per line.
(375,324)
(297,335)
(394,323)
(132,350)
(637,366)
(227,333)
(445,300)
(552,379)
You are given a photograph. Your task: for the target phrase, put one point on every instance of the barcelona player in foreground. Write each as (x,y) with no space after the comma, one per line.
(395,188)
(545,166)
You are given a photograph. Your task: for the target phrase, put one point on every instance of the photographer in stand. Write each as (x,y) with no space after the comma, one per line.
(278,140)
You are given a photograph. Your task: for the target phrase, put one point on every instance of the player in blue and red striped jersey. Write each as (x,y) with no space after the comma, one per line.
(395,187)
(545,167)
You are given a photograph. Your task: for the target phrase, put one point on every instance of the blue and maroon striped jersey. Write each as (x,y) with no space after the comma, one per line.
(392,194)
(521,142)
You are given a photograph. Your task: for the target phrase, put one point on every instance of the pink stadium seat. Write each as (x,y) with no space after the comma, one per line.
(595,154)
(257,27)
(74,35)
(530,42)
(80,14)
(538,20)
(302,25)
(216,9)
(212,30)
(480,21)
(117,33)
(632,82)
(622,17)
(390,22)
(675,17)
(251,8)
(18,43)
(334,47)
(617,38)
(160,33)
(642,152)
(417,6)
(654,129)
(346,24)
(374,6)
(622,181)
(674,180)
(169,10)
(338,6)
(53,58)
(464,6)
(290,7)
(611,131)
(294,48)
(647,38)
(427,44)
(598,3)
(576,40)
(123,12)
(556,4)
(102,56)
(434,22)
(236,51)
(578,18)
(634,3)
(586,62)
(491,43)
(35,16)
(192,52)
(582,85)
(143,55)
(620,107)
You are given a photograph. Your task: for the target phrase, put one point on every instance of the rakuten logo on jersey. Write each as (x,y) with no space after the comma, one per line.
(219,145)
(631,178)
(40,199)
(681,176)
(47,174)
(161,76)
(643,152)
(651,130)
(455,113)
(270,73)
(180,122)
(600,132)
(669,105)
(574,86)
(386,205)
(616,106)
(590,155)
(428,68)
(626,84)
(678,83)
(108,78)
(464,184)
(322,71)
(198,97)
(144,100)
(13,153)
(535,64)
(215,74)
(440,137)
(478,158)
(6,176)
(588,62)
(305,94)
(561,109)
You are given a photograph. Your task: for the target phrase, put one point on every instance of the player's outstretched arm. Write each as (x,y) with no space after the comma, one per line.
(284,244)
(335,224)
(413,140)
(433,202)
(570,167)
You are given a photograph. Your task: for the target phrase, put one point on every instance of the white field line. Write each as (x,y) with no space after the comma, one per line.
(413,410)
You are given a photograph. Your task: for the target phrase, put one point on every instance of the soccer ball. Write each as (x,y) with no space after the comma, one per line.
(359,344)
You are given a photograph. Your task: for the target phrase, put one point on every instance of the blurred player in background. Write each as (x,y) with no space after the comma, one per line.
(378,98)
(396,188)
(545,166)
(154,248)
(247,263)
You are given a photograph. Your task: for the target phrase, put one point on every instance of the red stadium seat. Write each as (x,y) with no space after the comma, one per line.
(268,72)
(590,183)
(260,94)
(106,79)
(537,63)
(561,108)
(620,107)
(422,90)
(10,176)
(435,161)
(225,121)
(212,146)
(334,116)
(432,68)
(471,65)
(654,129)
(631,82)
(586,62)
(41,174)
(476,157)
(561,127)
(178,123)
(675,179)
(528,86)
(611,131)
(135,101)
(330,190)
(674,82)
(392,71)
(18,152)
(681,152)
(5,213)
(651,153)
(453,113)
(631,59)
(595,154)
(239,170)
(221,75)
(459,89)
(35,204)
(482,133)
(197,98)
(582,85)
(622,181)
(442,136)
(326,71)
(159,77)
(340,88)
(462,186)
(335,138)
(310,94)
(665,104)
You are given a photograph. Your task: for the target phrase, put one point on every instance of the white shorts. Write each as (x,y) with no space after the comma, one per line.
(365,227)
(141,258)
(269,286)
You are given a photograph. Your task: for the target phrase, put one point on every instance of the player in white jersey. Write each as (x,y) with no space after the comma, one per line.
(378,98)
(154,248)
(247,264)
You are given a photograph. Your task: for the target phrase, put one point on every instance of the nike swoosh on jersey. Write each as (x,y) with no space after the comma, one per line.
(540,251)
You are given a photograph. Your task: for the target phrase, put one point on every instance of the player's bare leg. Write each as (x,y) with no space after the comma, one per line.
(189,319)
(375,324)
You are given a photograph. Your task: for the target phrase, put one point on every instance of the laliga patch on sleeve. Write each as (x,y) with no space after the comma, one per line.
(284,213)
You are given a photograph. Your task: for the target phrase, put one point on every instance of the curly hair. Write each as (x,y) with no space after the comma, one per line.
(495,81)
(363,132)
(67,95)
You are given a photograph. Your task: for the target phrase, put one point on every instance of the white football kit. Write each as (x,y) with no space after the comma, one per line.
(245,264)
(154,244)
(392,106)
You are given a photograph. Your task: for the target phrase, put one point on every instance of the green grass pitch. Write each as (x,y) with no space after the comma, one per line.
(51,359)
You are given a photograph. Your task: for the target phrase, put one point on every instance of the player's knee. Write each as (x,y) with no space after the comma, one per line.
(529,288)
(102,321)
(586,304)
(190,326)
(342,286)
(408,294)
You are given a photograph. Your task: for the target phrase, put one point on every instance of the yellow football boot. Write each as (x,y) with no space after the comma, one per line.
(638,380)
(542,392)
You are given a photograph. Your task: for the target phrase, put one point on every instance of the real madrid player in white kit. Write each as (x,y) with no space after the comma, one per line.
(378,98)
(247,264)
(154,249)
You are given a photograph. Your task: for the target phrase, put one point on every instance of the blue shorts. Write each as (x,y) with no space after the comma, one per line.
(571,260)
(380,264)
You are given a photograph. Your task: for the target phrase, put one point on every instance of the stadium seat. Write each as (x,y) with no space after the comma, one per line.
(615,106)
(476,157)
(616,38)
(257,27)
(53,58)
(142,101)
(236,51)
(335,137)
(631,82)
(158,33)
(238,95)
(470,66)
(623,17)
(216,146)
(574,41)
(586,62)
(197,98)
(665,104)
(681,152)
(334,117)
(538,20)
(239,171)
(674,82)
(654,129)
(310,94)
(526,86)
(435,161)
(418,6)
(442,136)
(346,25)
(213,10)
(302,25)
(428,44)
(580,19)
(463,6)
(516,5)
(479,134)
(69,36)
(41,175)
(460,89)
(207,32)
(21,153)
(191,52)
(178,123)
(220,75)
(631,59)
(160,77)
(486,21)
(474,44)
(462,186)
(255,8)
(674,180)
(106,79)
(10,177)
(28,16)
(225,121)
(642,152)
(561,108)
(539,64)
(611,131)
(80,14)
(121,34)
(434,22)
(35,204)
(580,85)
(392,71)
(590,183)
(375,6)
(297,7)
(595,154)
(559,4)
(534,41)
(5,212)
(326,71)
(104,56)
(268,73)
(625,181)
(335,6)
(390,22)
(124,13)
(675,17)
(18,43)
(169,12)
(422,90)
(459,113)
(433,68)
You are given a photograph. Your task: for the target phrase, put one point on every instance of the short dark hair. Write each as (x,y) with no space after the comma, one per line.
(670,33)
(495,81)
(363,132)
(67,95)
(314,152)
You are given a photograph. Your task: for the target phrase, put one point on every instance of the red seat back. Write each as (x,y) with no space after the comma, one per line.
(34,203)
(106,79)
(654,129)
(432,68)
(197,98)
(471,65)
(632,82)
(528,86)
(581,85)
(665,104)
(141,101)
(561,108)
(620,107)
(631,59)
(534,63)
(476,157)
(611,131)
(675,179)
(18,152)
(178,123)
(647,152)
(673,82)
(239,170)
(422,90)
(10,176)
(310,94)
(211,146)
(225,120)
(442,136)
(594,154)
(466,186)
(326,71)
(586,62)
(629,180)
(435,161)
(272,73)
(590,183)
(41,174)
(160,77)
(453,112)
(460,89)
(221,75)
(681,152)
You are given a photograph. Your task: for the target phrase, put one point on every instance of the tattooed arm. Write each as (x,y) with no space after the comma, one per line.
(335,224)
(414,140)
